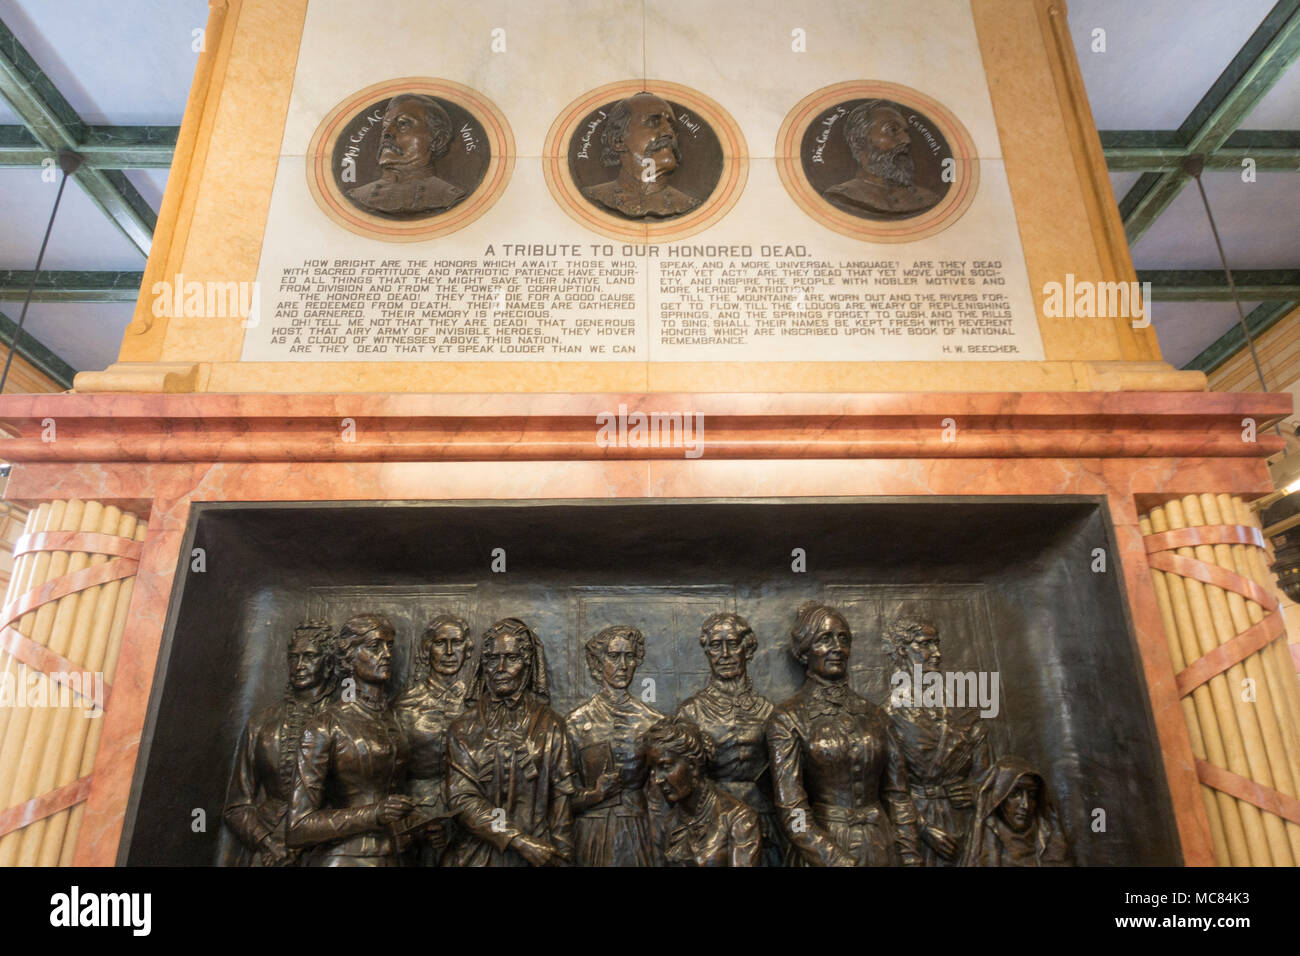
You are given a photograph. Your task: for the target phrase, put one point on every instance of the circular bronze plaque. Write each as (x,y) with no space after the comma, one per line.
(410,159)
(877,161)
(645,160)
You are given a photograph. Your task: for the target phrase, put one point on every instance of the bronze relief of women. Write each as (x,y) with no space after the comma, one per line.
(705,825)
(266,765)
(611,825)
(352,760)
(837,770)
(425,710)
(1016,820)
(509,773)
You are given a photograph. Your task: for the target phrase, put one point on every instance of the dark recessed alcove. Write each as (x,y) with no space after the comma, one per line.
(1009,582)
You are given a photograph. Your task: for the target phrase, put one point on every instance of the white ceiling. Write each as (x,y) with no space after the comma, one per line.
(1161,57)
(117,62)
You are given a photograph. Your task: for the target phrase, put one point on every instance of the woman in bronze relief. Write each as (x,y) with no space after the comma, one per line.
(509,773)
(1016,822)
(838,773)
(435,698)
(266,765)
(352,760)
(611,826)
(946,749)
(735,717)
(705,825)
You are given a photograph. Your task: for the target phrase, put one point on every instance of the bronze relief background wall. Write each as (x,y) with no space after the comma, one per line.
(1008,583)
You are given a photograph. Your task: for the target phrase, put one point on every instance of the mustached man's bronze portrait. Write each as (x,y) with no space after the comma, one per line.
(415,133)
(640,140)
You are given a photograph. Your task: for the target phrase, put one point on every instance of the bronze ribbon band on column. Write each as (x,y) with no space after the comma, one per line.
(41,658)
(46,805)
(90,541)
(1213,574)
(1234,784)
(1204,534)
(88,577)
(1254,638)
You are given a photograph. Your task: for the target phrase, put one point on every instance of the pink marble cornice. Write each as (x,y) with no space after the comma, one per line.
(492,427)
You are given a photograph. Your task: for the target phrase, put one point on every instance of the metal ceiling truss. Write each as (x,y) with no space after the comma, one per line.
(1209,129)
(1211,285)
(55,125)
(1261,319)
(104,147)
(71,285)
(1210,132)
(50,124)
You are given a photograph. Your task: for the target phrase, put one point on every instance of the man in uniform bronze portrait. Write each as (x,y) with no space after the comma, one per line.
(877,136)
(416,131)
(640,140)
(509,772)
(946,749)
(266,764)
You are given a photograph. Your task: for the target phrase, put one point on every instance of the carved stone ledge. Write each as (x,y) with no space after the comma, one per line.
(170,378)
(590,427)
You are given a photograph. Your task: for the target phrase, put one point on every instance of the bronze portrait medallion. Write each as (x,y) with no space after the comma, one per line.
(645,157)
(645,160)
(877,161)
(409,159)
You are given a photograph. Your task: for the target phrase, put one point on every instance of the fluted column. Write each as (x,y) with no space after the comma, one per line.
(61,628)
(1235,675)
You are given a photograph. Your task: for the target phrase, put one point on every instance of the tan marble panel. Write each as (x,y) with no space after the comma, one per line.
(215,229)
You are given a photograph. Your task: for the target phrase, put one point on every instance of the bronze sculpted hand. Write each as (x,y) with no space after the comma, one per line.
(961,794)
(435,834)
(536,852)
(274,852)
(607,784)
(392,808)
(940,841)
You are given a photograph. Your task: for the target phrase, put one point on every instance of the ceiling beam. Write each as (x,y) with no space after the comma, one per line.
(71,286)
(1264,58)
(1156,151)
(1262,318)
(105,147)
(1211,285)
(36,353)
(56,125)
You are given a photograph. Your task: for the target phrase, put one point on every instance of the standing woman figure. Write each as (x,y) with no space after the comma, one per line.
(837,768)
(352,759)
(425,711)
(612,827)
